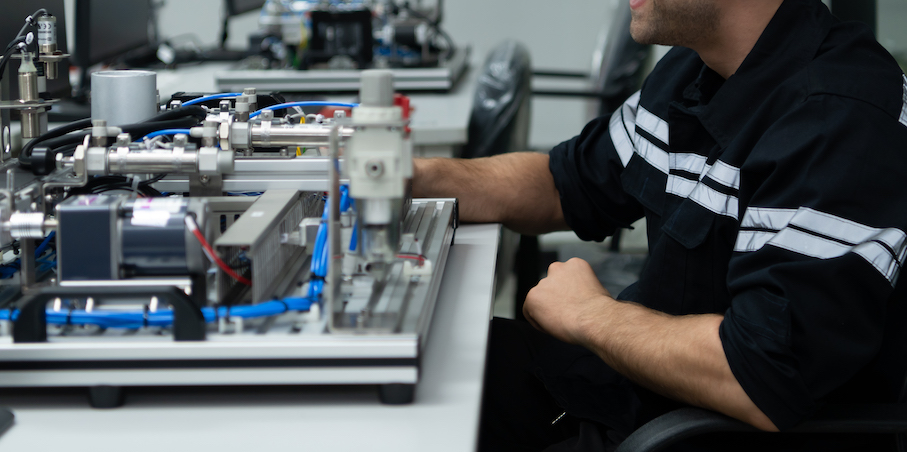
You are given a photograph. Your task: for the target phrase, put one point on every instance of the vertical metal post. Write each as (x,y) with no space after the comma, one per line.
(27,263)
(331,290)
(5,134)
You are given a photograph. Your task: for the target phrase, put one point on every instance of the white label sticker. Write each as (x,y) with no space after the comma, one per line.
(150,218)
(258,214)
(47,33)
(172,205)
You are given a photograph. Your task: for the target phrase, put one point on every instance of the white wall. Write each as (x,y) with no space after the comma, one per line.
(892,29)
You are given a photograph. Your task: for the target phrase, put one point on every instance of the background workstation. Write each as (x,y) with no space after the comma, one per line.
(561,35)
(445,414)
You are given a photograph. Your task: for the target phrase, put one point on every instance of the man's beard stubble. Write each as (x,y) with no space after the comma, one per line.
(675,22)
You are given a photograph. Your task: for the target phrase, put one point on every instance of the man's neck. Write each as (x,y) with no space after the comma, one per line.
(742,23)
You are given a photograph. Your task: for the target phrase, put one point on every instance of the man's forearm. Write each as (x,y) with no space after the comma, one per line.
(515,189)
(677,356)
(680,357)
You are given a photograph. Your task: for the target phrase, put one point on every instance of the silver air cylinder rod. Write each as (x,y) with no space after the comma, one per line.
(294,135)
(28,92)
(47,43)
(126,158)
(123,97)
(267,135)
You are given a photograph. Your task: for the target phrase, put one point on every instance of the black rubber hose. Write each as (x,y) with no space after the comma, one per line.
(46,161)
(183,117)
(6,57)
(190,110)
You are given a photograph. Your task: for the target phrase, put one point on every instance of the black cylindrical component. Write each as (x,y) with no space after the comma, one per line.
(405,34)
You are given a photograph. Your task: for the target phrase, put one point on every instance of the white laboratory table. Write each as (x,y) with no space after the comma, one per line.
(440,121)
(444,416)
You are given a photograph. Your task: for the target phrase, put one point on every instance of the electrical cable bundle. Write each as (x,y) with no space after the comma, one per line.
(435,24)
(320,252)
(163,317)
(11,47)
(211,254)
(45,262)
(102,184)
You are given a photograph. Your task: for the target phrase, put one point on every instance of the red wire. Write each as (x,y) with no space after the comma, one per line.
(421,259)
(217,260)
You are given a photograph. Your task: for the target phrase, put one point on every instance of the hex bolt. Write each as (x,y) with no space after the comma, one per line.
(180,140)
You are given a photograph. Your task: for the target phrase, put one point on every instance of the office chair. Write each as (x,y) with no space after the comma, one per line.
(684,423)
(499,123)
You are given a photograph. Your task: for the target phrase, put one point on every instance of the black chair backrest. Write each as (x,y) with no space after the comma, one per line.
(501,109)
(622,67)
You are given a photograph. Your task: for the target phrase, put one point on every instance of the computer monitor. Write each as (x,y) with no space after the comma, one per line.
(237,7)
(11,21)
(108,29)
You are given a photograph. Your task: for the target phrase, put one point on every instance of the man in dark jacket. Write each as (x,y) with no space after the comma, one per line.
(767,153)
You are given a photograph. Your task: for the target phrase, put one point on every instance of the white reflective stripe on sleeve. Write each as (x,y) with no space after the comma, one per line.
(748,241)
(705,171)
(904,108)
(823,236)
(652,124)
(619,137)
(832,226)
(680,186)
(767,218)
(896,240)
(715,201)
(629,108)
(691,163)
(808,245)
(653,154)
(725,174)
(880,258)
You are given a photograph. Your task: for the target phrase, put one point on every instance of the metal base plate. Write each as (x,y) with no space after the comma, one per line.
(293,348)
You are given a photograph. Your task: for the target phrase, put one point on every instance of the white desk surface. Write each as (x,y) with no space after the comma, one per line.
(438,118)
(444,416)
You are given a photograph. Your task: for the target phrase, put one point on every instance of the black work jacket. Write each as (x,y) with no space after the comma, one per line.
(775,198)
